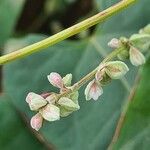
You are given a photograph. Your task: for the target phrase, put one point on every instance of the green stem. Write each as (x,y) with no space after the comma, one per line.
(90,75)
(100,17)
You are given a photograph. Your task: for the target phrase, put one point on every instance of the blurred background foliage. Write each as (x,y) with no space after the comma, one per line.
(24,22)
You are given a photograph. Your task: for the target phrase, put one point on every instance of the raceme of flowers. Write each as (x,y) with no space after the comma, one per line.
(52,106)
(48,106)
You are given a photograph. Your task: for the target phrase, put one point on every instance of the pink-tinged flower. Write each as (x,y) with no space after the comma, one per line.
(50,112)
(35,101)
(100,74)
(55,79)
(93,90)
(114,43)
(136,57)
(36,121)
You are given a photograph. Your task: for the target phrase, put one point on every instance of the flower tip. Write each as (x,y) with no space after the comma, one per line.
(55,79)
(114,43)
(35,101)
(36,122)
(93,91)
(136,57)
(50,112)
(29,97)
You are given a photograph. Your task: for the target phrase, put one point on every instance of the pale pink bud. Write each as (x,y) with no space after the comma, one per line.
(114,43)
(50,112)
(93,90)
(36,121)
(136,57)
(55,79)
(35,101)
(51,98)
(100,74)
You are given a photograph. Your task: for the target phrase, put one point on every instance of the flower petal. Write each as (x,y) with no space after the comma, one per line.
(116,69)
(36,121)
(114,43)
(136,57)
(50,112)
(67,80)
(51,98)
(93,90)
(68,104)
(35,101)
(55,79)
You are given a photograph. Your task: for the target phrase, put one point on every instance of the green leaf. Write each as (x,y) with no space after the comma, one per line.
(93,126)
(9,13)
(30,75)
(13,132)
(135,133)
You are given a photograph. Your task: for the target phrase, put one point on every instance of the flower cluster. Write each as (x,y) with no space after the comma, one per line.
(52,106)
(105,72)
(49,106)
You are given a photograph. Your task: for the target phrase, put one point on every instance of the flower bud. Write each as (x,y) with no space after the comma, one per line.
(145,30)
(35,101)
(55,79)
(116,69)
(68,104)
(50,112)
(141,41)
(67,80)
(114,43)
(124,54)
(136,57)
(36,121)
(100,74)
(93,90)
(64,112)
(51,99)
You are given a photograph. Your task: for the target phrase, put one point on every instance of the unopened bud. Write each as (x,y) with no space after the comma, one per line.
(55,79)
(35,101)
(50,112)
(68,104)
(36,121)
(116,69)
(114,43)
(67,80)
(136,57)
(51,98)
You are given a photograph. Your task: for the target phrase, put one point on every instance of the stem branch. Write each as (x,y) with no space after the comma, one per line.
(90,75)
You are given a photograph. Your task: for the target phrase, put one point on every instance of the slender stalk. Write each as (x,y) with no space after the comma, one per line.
(100,17)
(90,75)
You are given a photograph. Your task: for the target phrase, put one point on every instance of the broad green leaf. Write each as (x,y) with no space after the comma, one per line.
(131,19)
(135,133)
(68,57)
(92,127)
(13,132)
(9,13)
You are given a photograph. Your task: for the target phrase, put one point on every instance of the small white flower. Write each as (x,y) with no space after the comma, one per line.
(93,90)
(36,121)
(136,57)
(55,79)
(114,43)
(50,112)
(35,101)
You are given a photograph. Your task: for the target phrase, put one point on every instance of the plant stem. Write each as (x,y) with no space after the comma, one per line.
(90,75)
(100,17)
